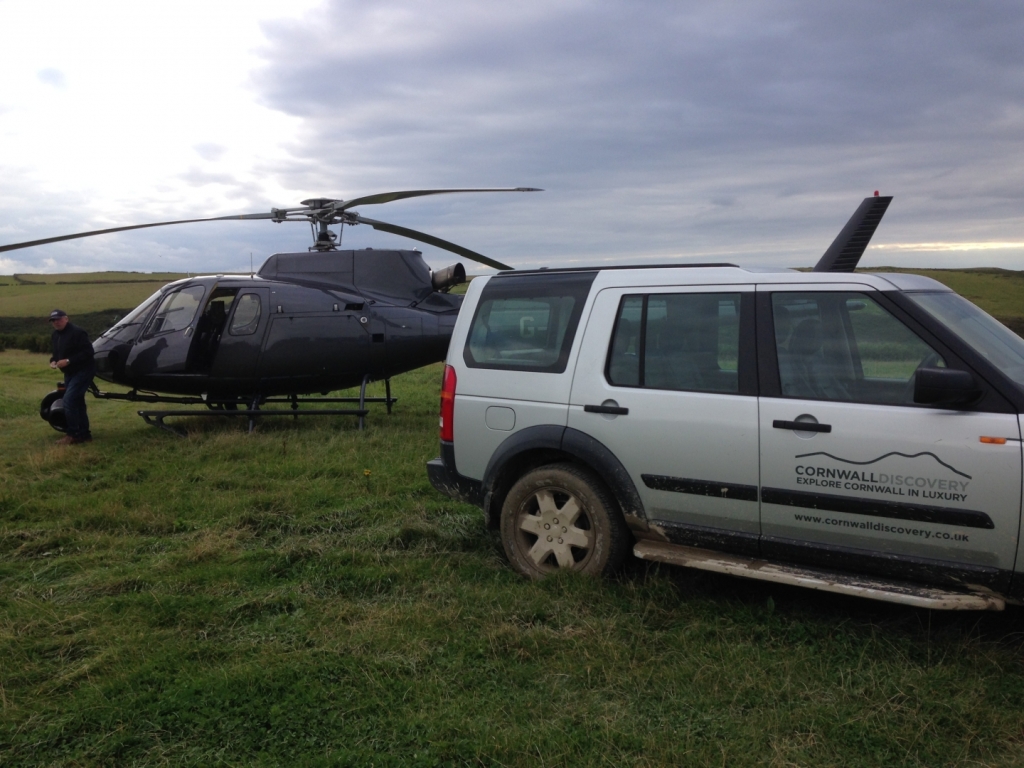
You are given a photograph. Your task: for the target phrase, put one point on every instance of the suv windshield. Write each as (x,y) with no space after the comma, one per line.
(991,339)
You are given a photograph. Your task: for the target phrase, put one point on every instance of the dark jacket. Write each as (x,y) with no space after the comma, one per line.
(72,344)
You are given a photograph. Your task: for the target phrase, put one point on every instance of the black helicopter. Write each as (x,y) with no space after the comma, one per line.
(305,324)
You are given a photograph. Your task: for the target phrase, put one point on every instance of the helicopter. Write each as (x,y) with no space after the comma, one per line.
(303,326)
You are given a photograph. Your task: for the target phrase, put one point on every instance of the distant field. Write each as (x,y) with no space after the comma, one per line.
(1000,292)
(25,295)
(72,278)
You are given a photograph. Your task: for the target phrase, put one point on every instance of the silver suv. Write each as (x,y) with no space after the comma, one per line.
(851,432)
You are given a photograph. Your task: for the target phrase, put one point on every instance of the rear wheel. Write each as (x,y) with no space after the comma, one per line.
(562,517)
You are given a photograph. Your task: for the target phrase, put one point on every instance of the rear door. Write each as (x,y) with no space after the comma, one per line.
(855,475)
(234,363)
(666,380)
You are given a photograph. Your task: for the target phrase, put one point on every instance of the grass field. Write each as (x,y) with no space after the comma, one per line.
(230,599)
(1000,292)
(26,296)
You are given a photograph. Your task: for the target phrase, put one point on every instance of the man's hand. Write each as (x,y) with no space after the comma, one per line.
(53,363)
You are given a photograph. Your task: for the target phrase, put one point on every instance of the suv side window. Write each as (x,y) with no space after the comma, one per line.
(845,346)
(527,322)
(677,341)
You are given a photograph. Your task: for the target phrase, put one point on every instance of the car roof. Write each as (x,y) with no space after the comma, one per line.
(731,274)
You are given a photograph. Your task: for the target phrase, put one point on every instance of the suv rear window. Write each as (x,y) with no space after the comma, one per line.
(678,341)
(527,322)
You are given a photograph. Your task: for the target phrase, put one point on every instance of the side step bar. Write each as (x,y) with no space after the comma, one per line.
(826,581)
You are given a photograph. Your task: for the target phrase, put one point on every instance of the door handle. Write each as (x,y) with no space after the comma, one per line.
(802,426)
(613,409)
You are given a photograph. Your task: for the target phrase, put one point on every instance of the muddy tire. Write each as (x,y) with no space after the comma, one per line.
(561,516)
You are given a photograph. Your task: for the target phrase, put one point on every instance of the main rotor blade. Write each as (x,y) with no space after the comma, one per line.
(412,234)
(44,241)
(853,239)
(387,197)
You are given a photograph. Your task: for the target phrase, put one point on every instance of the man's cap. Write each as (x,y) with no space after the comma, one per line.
(57,314)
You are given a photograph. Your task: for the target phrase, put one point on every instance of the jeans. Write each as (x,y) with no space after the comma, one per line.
(74,402)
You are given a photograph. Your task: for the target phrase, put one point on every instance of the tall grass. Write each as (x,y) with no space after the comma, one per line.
(259,599)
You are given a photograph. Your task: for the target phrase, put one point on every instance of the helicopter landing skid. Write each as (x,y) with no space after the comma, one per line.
(156,418)
(223,407)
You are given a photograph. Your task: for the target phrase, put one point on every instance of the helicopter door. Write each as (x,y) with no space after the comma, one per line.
(209,329)
(234,361)
(164,346)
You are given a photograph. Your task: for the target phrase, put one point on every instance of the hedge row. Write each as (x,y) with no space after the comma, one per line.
(32,342)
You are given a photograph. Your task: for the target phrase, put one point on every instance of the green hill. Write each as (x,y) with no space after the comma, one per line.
(1000,292)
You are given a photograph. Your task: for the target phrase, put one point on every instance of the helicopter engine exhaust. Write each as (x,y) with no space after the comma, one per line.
(446,278)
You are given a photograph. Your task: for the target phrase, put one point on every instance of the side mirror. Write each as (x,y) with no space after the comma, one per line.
(945,387)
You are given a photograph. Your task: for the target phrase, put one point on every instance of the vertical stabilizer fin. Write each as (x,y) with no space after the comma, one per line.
(851,242)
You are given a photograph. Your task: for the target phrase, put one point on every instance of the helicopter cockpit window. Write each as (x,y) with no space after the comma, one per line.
(127,328)
(176,311)
(247,315)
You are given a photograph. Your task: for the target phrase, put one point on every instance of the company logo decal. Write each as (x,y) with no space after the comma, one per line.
(885,456)
(903,481)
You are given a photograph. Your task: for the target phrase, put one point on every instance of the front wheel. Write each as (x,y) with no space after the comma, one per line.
(562,517)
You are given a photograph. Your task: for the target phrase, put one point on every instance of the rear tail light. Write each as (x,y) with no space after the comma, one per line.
(448,405)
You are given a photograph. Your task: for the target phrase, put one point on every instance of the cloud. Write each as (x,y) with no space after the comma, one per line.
(950,246)
(52,77)
(210,151)
(745,130)
(663,126)
(198,177)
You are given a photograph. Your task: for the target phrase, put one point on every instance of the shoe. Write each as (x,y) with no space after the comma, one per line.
(69,440)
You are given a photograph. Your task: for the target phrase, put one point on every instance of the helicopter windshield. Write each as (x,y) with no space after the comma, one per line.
(176,311)
(129,324)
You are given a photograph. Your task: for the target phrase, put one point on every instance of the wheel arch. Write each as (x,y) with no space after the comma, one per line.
(549,444)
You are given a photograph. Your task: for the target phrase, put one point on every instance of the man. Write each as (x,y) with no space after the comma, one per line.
(72,354)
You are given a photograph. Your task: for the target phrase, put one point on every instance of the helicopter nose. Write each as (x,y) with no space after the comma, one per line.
(101,354)
(106,356)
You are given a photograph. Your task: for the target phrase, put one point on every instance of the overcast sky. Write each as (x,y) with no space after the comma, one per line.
(660,131)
